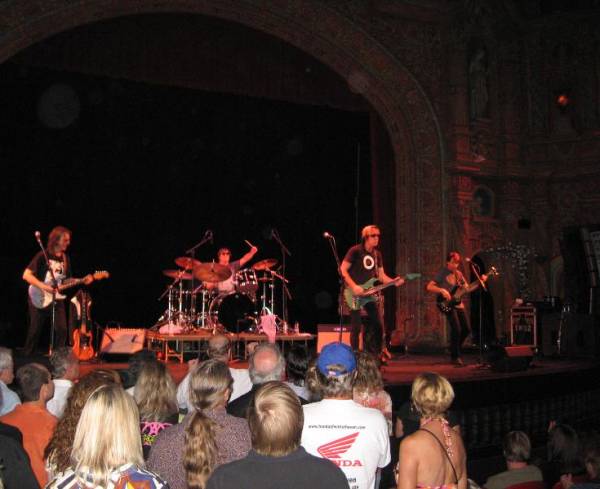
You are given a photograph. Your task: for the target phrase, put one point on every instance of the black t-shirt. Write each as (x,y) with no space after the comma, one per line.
(446,279)
(363,265)
(60,266)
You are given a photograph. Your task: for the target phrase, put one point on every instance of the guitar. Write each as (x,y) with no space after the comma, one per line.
(457,292)
(41,299)
(355,302)
(82,337)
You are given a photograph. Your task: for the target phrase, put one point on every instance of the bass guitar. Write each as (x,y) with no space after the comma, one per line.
(83,347)
(41,299)
(355,302)
(457,293)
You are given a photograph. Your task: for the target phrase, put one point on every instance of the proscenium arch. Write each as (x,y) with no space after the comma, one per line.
(392,91)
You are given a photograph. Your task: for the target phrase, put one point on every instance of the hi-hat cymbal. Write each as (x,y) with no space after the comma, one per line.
(211,272)
(186,262)
(180,274)
(265,264)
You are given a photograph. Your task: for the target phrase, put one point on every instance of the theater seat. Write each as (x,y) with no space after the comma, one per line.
(528,485)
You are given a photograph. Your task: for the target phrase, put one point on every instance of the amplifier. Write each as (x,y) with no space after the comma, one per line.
(123,340)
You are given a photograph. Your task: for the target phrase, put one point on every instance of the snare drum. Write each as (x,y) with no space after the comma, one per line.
(246,281)
(234,311)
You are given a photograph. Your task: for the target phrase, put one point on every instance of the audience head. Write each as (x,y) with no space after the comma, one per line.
(65,365)
(266,364)
(297,365)
(101,446)
(431,395)
(155,392)
(35,383)
(7,366)
(136,362)
(312,381)
(564,447)
(275,418)
(58,451)
(210,385)
(368,375)
(218,348)
(516,447)
(336,370)
(591,456)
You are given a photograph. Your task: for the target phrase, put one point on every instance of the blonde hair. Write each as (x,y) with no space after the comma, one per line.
(107,436)
(275,418)
(209,383)
(155,392)
(431,394)
(368,229)
(368,376)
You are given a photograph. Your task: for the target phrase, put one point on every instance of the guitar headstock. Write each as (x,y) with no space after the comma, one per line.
(100,275)
(493,271)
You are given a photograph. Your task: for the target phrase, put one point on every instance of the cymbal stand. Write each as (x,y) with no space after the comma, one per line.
(336,256)
(284,251)
(208,236)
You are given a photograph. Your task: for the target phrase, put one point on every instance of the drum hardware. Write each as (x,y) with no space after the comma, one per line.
(264,264)
(211,272)
(246,282)
(232,311)
(177,274)
(186,262)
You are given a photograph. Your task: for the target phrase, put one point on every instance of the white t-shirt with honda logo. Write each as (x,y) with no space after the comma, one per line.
(353,437)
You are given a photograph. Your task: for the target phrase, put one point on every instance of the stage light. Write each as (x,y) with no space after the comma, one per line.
(562,100)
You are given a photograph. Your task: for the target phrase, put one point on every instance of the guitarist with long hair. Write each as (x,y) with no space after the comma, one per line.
(362,263)
(38,275)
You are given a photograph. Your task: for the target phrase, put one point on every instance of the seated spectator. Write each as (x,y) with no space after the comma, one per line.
(207,437)
(32,418)
(65,370)
(266,364)
(15,468)
(433,456)
(7,375)
(107,449)
(352,436)
(516,449)
(277,460)
(296,365)
(156,397)
(312,382)
(135,364)
(219,348)
(591,458)
(564,456)
(408,420)
(368,386)
(58,452)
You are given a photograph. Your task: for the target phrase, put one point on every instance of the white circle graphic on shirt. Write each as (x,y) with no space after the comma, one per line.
(368,262)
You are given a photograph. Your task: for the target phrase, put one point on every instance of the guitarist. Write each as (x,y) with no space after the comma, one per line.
(444,282)
(361,263)
(39,275)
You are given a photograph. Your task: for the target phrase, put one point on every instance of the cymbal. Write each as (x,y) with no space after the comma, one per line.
(186,262)
(265,264)
(178,274)
(211,272)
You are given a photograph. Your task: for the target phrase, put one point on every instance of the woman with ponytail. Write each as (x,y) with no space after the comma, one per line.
(186,454)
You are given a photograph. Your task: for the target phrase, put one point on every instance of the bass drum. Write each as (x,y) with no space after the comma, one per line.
(233,311)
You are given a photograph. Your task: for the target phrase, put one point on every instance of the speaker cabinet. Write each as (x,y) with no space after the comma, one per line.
(329,333)
(122,341)
(510,358)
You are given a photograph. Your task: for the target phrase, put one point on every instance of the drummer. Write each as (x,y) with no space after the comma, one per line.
(224,258)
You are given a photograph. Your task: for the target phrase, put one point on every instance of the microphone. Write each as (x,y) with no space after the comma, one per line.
(272,235)
(327,235)
(38,235)
(468,260)
(209,235)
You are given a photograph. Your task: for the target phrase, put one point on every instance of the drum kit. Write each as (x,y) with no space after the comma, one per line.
(193,307)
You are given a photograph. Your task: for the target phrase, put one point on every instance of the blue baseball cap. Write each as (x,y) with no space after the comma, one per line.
(336,354)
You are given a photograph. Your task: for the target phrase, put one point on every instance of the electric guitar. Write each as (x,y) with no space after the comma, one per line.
(457,292)
(355,302)
(83,347)
(41,299)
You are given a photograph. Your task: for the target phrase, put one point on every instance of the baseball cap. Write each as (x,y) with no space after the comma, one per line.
(336,354)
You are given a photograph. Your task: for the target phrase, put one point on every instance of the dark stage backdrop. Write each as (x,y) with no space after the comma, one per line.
(144,170)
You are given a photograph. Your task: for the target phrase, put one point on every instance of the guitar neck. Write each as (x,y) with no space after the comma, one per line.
(70,282)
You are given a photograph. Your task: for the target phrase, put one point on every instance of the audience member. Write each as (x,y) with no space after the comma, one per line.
(563,451)
(591,459)
(368,386)
(433,456)
(516,449)
(58,452)
(9,398)
(156,397)
(65,370)
(266,364)
(15,468)
(296,365)
(32,418)
(107,449)
(312,381)
(135,364)
(219,348)
(186,454)
(277,460)
(352,436)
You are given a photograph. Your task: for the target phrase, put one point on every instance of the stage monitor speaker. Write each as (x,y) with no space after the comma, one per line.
(122,341)
(510,358)
(329,333)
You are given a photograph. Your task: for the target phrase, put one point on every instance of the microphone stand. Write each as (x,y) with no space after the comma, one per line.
(284,251)
(54,290)
(334,251)
(474,268)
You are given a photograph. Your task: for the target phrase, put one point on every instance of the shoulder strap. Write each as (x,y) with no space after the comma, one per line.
(443,450)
